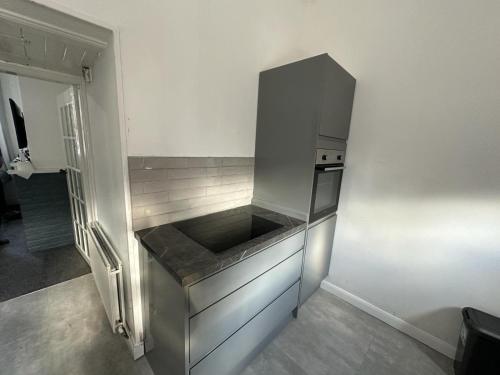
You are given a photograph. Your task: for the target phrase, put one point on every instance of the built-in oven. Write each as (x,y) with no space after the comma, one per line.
(327,180)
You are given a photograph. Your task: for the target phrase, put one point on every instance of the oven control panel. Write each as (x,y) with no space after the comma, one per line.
(324,156)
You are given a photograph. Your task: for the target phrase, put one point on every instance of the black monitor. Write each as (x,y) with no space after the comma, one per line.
(18,117)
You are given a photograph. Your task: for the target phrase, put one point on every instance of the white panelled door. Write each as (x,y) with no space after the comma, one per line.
(71,124)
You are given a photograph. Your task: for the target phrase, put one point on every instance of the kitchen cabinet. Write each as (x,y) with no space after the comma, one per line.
(219,323)
(302,106)
(336,106)
(314,95)
(216,287)
(319,252)
(232,356)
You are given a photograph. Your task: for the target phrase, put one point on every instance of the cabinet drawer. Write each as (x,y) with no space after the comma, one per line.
(216,287)
(235,353)
(215,324)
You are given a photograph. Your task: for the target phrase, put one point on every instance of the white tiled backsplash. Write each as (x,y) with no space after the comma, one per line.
(168,189)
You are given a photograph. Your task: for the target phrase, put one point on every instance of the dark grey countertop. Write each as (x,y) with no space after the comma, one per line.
(188,262)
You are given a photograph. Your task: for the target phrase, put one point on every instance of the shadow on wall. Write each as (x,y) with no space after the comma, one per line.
(442,250)
(440,323)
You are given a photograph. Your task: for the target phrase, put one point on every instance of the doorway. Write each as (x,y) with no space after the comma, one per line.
(44,221)
(56,44)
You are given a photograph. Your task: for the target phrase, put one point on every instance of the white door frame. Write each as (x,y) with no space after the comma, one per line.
(40,73)
(79,85)
(133,248)
(136,342)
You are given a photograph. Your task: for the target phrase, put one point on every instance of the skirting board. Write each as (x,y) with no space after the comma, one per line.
(398,323)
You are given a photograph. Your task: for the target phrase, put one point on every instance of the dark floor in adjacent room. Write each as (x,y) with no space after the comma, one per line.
(23,272)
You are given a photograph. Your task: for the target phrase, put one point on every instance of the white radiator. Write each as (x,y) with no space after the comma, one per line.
(108,276)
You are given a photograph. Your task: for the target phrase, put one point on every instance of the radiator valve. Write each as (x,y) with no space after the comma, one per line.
(121,329)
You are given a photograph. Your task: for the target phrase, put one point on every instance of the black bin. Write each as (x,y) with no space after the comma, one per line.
(478,349)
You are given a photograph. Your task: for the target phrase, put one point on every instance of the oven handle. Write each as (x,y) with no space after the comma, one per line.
(330,169)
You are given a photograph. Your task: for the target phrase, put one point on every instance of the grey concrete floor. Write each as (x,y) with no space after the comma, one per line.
(332,337)
(63,329)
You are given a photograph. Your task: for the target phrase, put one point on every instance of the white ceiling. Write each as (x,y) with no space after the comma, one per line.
(28,42)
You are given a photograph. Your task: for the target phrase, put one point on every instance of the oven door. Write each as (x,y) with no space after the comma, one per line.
(326,191)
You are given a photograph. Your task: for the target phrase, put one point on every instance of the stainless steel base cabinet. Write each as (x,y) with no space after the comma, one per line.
(216,287)
(317,255)
(217,325)
(234,354)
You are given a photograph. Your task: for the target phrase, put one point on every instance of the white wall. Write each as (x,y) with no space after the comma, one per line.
(4,128)
(41,119)
(9,85)
(38,101)
(190,69)
(417,233)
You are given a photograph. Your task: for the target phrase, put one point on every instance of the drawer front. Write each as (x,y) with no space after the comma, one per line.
(235,353)
(216,287)
(215,324)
